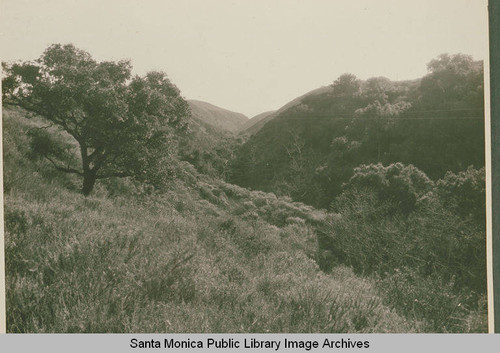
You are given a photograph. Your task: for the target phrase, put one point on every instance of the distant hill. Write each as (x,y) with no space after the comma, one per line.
(258,121)
(207,145)
(253,121)
(216,116)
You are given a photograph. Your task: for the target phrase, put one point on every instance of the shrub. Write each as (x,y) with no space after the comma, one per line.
(464,193)
(397,184)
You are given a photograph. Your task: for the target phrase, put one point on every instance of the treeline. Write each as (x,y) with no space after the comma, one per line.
(311,149)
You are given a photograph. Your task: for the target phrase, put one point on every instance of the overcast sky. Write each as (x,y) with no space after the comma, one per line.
(251,56)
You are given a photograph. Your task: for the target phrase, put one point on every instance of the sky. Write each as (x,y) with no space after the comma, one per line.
(251,56)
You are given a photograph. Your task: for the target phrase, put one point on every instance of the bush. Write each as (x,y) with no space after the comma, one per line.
(44,144)
(397,184)
(464,193)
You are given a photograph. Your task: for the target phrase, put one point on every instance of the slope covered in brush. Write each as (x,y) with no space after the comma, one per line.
(310,148)
(208,148)
(254,120)
(258,121)
(200,256)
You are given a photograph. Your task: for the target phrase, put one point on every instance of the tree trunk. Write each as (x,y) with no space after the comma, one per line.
(89,175)
(89,178)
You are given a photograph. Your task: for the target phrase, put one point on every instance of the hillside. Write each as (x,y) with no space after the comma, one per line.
(208,147)
(203,256)
(258,121)
(254,120)
(216,116)
(207,256)
(120,214)
(310,147)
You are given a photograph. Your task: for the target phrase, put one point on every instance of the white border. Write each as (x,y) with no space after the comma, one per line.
(487,155)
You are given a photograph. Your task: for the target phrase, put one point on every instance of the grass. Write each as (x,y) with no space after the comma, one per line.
(125,265)
(202,256)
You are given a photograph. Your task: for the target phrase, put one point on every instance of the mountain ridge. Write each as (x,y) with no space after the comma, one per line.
(217,116)
(263,118)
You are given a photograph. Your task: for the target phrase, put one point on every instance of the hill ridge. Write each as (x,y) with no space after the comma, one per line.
(217,116)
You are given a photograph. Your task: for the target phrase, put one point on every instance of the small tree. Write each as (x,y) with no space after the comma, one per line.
(123,125)
(346,85)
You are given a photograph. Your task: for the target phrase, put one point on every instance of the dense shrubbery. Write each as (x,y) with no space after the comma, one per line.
(430,241)
(208,149)
(398,186)
(464,193)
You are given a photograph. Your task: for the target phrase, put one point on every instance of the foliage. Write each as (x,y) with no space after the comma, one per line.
(394,223)
(122,125)
(453,81)
(208,149)
(308,150)
(433,301)
(464,193)
(401,186)
(122,260)
(346,85)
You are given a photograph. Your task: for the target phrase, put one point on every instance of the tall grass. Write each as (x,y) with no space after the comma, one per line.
(202,256)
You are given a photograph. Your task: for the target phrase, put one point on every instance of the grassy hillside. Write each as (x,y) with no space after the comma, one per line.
(254,120)
(216,116)
(203,256)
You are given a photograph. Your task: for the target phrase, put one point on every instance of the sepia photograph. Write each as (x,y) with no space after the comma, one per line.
(278,166)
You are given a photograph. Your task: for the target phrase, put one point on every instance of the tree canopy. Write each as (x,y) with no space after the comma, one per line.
(123,125)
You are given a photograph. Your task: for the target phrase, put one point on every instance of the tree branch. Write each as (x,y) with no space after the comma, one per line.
(63,169)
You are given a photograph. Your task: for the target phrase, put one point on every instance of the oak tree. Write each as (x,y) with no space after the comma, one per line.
(122,125)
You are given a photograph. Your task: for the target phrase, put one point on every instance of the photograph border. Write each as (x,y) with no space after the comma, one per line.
(492,163)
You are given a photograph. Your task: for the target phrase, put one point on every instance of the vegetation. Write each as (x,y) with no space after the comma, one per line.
(399,245)
(201,256)
(208,148)
(312,147)
(395,223)
(216,116)
(122,125)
